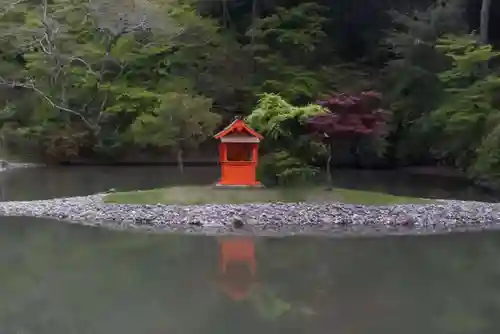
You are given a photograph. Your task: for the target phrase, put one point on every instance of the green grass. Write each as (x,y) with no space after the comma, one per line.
(209,195)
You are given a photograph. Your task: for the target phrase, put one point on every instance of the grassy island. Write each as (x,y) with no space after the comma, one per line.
(189,195)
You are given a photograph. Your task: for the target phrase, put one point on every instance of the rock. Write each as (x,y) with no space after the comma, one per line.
(405,220)
(195,223)
(341,221)
(238,222)
(251,221)
(4,164)
(327,220)
(265,218)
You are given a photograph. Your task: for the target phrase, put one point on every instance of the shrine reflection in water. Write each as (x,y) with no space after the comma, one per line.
(62,278)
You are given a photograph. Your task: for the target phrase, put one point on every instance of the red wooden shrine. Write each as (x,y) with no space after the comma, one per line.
(238,155)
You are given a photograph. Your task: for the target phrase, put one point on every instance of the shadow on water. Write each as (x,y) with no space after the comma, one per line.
(59,278)
(42,183)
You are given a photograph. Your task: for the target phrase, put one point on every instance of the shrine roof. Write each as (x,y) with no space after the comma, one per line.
(238,126)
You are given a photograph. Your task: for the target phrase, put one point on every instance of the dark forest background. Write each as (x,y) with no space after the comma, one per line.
(97,80)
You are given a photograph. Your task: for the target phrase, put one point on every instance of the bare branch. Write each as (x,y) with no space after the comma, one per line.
(45,9)
(31,86)
(44,49)
(86,64)
(103,104)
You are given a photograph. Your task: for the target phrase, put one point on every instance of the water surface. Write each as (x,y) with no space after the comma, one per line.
(42,183)
(61,278)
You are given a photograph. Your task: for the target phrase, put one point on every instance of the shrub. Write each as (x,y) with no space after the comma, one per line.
(281,168)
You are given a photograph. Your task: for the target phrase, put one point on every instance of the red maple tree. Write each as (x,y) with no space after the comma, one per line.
(348,116)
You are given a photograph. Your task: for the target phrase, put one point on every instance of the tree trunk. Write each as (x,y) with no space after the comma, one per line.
(254,17)
(485,21)
(180,160)
(329,168)
(226,18)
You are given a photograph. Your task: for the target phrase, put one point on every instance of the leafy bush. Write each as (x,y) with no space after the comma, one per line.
(465,128)
(281,168)
(282,125)
(276,118)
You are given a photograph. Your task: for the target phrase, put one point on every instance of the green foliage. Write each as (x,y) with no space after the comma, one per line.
(486,166)
(285,47)
(268,304)
(282,124)
(281,168)
(180,121)
(276,118)
(465,126)
(206,59)
(91,80)
(410,81)
(87,79)
(306,21)
(468,58)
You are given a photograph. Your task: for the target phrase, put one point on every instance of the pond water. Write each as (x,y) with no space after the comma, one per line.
(42,183)
(59,278)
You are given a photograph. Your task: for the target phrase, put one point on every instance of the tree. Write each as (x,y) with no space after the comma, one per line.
(71,67)
(278,119)
(288,148)
(283,125)
(87,69)
(348,116)
(410,82)
(65,44)
(285,58)
(485,21)
(180,122)
(466,125)
(210,61)
(76,74)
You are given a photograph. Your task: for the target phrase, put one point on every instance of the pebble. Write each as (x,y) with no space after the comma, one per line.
(277,218)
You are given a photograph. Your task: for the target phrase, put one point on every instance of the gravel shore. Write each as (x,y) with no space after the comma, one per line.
(266,218)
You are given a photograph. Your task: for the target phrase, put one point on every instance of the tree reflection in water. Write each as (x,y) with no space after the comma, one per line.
(57,278)
(237,277)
